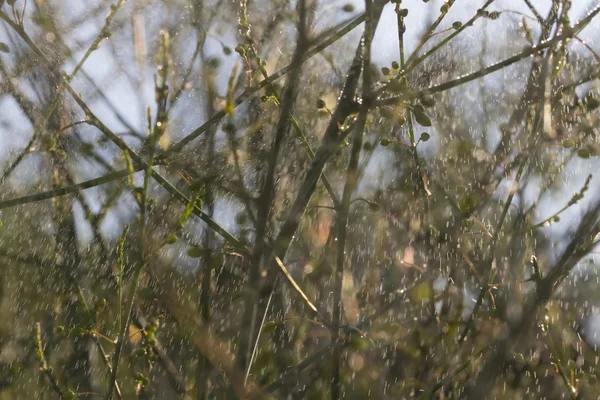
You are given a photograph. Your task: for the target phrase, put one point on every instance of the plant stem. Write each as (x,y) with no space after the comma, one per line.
(101,350)
(154,137)
(428,34)
(429,394)
(487,281)
(335,36)
(265,200)
(50,194)
(19,27)
(43,363)
(413,150)
(342,215)
(412,65)
(494,67)
(206,267)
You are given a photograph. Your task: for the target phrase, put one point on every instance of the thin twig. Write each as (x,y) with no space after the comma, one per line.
(267,194)
(342,215)
(494,67)
(335,36)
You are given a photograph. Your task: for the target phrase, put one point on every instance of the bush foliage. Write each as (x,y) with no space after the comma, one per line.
(308,199)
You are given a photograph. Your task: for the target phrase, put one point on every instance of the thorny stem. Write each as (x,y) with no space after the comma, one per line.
(329,144)
(302,138)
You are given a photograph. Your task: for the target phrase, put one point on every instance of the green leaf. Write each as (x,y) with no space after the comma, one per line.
(4,48)
(584,153)
(591,103)
(100,304)
(427,101)
(422,118)
(425,136)
(61,153)
(418,108)
(468,202)
(49,143)
(195,252)
(230,128)
(401,120)
(568,143)
(172,238)
(421,293)
(360,343)
(269,327)
(240,50)
(70,395)
(385,142)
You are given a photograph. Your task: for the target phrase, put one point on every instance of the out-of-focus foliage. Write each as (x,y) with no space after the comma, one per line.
(263,199)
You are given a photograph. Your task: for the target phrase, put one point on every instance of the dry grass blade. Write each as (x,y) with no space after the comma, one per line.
(295,285)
